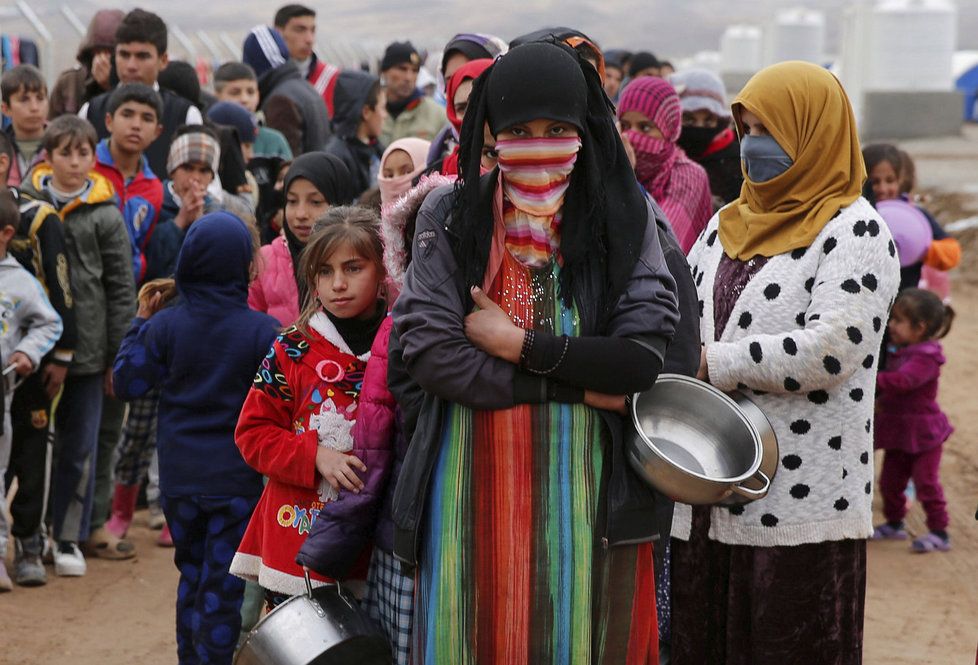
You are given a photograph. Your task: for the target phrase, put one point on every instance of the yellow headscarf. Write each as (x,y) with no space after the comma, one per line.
(806,110)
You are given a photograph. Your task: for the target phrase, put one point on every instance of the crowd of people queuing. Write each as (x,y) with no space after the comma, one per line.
(345,331)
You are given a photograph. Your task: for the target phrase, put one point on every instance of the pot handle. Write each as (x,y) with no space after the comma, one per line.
(316,606)
(341,592)
(754,494)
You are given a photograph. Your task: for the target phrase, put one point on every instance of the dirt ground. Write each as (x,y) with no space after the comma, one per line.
(920,609)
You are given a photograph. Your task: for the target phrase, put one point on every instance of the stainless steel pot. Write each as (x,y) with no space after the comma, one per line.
(316,628)
(693,443)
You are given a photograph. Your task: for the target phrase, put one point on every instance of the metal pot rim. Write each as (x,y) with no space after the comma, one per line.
(715,392)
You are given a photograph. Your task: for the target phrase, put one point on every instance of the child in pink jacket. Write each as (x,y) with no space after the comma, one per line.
(315,182)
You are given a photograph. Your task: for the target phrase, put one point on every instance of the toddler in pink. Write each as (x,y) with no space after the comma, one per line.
(910,425)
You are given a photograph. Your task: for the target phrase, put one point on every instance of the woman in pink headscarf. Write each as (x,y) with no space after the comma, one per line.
(651,118)
(401,163)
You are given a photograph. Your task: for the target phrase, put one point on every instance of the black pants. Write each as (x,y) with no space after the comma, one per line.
(30,414)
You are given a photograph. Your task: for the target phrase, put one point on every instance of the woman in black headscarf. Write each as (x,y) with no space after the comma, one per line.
(537,297)
(314,182)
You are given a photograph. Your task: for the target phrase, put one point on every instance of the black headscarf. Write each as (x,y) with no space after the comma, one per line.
(329,175)
(559,33)
(604,215)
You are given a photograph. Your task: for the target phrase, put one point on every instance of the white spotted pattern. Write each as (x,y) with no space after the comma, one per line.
(815,382)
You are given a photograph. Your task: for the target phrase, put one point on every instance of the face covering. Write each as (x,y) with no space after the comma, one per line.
(695,140)
(763,158)
(392,188)
(652,160)
(536,172)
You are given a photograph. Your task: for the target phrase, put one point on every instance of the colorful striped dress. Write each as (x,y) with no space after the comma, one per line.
(513,569)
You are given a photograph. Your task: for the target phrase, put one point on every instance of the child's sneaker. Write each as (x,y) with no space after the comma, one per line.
(931,542)
(68,560)
(28,568)
(6,584)
(888,531)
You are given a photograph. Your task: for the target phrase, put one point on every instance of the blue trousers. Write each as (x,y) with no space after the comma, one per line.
(206,532)
(78,417)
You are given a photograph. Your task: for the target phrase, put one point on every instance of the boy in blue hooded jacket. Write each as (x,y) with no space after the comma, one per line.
(203,352)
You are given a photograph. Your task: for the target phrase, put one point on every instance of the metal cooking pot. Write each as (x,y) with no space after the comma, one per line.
(693,443)
(320,627)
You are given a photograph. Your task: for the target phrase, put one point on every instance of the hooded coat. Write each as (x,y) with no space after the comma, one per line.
(203,352)
(100,256)
(362,159)
(76,86)
(286,82)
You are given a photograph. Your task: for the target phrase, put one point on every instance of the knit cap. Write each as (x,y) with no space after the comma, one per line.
(656,99)
(264,49)
(234,115)
(701,90)
(399,53)
(194,147)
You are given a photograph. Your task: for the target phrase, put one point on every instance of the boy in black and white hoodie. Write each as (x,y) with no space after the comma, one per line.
(29,329)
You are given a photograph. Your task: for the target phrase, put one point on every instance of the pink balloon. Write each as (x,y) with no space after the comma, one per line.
(910,229)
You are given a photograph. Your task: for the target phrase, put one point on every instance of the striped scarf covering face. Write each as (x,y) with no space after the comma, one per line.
(535,177)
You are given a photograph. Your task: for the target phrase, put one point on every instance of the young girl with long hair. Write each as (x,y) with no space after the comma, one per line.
(295,427)
(892,175)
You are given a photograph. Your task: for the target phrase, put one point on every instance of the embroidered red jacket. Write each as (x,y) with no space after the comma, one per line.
(306,385)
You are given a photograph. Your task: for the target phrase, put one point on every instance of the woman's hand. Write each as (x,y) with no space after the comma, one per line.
(615,403)
(491,329)
(703,373)
(340,469)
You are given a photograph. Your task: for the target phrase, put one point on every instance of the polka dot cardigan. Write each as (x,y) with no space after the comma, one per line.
(802,342)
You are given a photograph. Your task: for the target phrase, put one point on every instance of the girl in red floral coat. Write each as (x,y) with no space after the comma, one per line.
(295,426)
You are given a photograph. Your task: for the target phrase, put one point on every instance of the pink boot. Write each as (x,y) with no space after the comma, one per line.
(123,506)
(165,539)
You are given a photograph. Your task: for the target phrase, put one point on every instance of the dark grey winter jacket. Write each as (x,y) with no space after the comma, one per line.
(429,320)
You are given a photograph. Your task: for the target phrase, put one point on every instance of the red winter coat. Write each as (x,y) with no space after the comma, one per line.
(342,531)
(307,384)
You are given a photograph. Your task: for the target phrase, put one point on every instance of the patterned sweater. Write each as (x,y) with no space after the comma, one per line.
(802,341)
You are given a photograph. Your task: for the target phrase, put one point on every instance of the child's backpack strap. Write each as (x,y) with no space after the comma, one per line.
(37,211)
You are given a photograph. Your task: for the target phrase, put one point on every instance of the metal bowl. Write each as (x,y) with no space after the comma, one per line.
(693,443)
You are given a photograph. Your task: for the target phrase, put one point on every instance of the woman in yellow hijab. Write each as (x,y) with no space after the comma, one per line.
(795,279)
